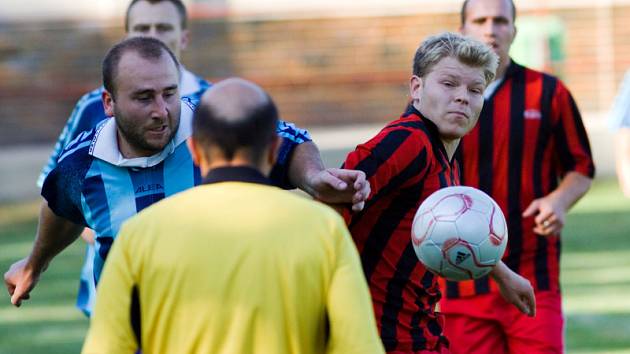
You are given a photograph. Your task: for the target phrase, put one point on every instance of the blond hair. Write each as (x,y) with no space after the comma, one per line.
(467,50)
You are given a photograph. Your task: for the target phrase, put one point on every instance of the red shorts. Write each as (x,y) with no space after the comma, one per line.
(488,324)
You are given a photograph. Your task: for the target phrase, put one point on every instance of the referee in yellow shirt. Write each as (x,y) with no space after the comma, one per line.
(234,265)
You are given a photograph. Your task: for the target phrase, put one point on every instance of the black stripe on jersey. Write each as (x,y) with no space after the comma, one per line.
(452,289)
(516,141)
(486,177)
(565,157)
(395,286)
(415,124)
(382,151)
(459,157)
(134,315)
(544,132)
(412,170)
(390,218)
(581,132)
(417,334)
(541,267)
(485,160)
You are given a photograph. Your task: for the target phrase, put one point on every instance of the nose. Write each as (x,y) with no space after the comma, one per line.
(489,28)
(160,108)
(461,95)
(153,32)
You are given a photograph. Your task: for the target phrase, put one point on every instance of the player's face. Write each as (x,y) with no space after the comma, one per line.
(161,21)
(491,22)
(146,104)
(451,96)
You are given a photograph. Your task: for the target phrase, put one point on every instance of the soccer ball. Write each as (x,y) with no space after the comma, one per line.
(459,233)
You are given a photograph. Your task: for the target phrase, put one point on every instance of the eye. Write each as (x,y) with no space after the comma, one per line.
(170,93)
(143,98)
(141,28)
(448,83)
(476,90)
(164,28)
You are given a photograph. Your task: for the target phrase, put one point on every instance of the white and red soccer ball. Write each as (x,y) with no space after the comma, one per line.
(459,233)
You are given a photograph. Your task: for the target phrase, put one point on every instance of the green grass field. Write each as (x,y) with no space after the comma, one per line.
(596,281)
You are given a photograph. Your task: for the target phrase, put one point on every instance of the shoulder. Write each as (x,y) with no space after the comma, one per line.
(91,99)
(88,111)
(396,133)
(80,147)
(93,95)
(550,83)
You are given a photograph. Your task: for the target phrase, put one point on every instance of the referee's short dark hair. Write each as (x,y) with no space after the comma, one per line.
(148,48)
(252,130)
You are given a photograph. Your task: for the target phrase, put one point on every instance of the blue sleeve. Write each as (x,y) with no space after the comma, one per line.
(62,186)
(87,113)
(292,136)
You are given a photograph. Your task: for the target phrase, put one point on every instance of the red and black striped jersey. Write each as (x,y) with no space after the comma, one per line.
(404,163)
(529,135)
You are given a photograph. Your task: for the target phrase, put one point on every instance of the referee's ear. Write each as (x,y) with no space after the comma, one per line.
(195,153)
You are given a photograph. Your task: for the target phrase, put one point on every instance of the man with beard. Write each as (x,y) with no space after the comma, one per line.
(299,163)
(125,164)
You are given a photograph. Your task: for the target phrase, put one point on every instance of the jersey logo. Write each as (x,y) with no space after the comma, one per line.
(532,114)
(149,187)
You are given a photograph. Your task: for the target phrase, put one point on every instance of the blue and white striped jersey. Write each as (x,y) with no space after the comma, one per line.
(94,186)
(89,111)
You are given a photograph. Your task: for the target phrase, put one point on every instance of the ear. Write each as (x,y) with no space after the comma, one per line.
(415,89)
(108,103)
(514,36)
(195,152)
(184,39)
(272,153)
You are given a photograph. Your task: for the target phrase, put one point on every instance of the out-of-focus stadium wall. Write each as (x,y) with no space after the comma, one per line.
(323,68)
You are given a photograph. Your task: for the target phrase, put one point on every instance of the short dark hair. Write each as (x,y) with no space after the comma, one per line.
(148,48)
(179,5)
(462,14)
(253,131)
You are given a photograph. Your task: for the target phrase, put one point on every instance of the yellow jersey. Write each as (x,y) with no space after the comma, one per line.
(230,268)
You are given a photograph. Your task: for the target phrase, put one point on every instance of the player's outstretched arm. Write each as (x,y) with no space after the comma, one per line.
(54,234)
(515,289)
(329,185)
(550,211)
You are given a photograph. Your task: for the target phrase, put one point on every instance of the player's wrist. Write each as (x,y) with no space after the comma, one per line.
(500,272)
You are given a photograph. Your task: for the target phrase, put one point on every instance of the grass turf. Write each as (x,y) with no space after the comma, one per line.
(595,279)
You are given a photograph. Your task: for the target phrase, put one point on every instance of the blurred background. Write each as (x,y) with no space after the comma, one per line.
(340,69)
(327,63)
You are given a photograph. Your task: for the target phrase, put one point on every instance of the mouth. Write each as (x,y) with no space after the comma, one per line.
(158,129)
(493,45)
(157,132)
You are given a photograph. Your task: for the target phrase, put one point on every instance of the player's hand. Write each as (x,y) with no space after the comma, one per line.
(20,279)
(341,186)
(549,215)
(88,236)
(515,289)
